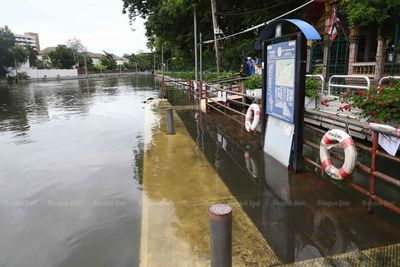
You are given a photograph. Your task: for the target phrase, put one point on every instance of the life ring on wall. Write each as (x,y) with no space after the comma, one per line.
(251,165)
(350,153)
(251,121)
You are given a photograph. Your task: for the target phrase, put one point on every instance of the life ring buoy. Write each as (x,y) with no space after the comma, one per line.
(251,165)
(350,153)
(251,121)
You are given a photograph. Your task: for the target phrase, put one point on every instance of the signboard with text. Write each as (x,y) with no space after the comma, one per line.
(280,82)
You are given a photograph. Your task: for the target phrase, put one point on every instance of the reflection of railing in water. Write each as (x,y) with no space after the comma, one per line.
(207,91)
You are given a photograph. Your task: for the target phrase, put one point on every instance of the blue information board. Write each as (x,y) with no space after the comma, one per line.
(280,83)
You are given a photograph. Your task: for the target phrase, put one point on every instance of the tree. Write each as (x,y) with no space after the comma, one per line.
(89,61)
(7,42)
(371,13)
(32,55)
(62,57)
(77,46)
(170,23)
(19,54)
(108,61)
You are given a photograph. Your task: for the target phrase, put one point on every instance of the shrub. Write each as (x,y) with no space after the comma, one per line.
(380,103)
(253,82)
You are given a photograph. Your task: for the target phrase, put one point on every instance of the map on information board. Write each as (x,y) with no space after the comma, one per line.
(281,61)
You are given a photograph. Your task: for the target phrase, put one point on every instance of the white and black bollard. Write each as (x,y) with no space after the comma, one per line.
(221,235)
(170,121)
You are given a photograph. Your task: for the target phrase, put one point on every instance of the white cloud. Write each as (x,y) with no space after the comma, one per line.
(100,24)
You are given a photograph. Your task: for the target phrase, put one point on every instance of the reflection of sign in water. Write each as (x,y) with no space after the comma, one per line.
(280,80)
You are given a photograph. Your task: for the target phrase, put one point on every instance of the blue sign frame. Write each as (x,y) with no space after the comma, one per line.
(281,80)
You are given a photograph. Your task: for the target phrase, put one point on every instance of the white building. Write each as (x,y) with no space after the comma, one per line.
(95,57)
(120,60)
(31,39)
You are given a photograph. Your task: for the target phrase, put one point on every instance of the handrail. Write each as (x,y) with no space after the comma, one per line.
(330,84)
(322,80)
(387,78)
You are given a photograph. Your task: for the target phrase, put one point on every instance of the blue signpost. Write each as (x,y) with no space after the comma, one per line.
(280,68)
(284,88)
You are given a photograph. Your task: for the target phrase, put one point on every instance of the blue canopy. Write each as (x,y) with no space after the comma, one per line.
(269,31)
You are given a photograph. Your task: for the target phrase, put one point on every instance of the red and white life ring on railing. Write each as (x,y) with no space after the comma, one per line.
(350,153)
(252,122)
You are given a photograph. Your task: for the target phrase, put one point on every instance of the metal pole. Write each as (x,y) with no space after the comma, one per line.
(215,26)
(395,44)
(221,235)
(84,58)
(154,62)
(195,44)
(201,57)
(162,59)
(170,121)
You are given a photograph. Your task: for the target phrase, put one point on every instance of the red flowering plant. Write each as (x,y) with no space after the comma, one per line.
(380,103)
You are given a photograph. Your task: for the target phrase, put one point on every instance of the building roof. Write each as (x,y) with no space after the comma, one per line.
(94,55)
(48,50)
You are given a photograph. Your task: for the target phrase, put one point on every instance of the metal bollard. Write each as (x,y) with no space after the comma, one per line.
(170,121)
(221,235)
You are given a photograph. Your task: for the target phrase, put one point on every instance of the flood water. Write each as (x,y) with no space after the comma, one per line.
(70,157)
(71,164)
(301,215)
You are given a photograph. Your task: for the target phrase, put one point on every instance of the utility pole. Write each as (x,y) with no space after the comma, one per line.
(195,44)
(201,57)
(216,32)
(162,59)
(84,58)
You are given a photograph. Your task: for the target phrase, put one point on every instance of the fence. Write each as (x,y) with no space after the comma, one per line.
(213,97)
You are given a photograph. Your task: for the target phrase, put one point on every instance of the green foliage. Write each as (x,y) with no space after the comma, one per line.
(170,24)
(108,61)
(7,42)
(62,57)
(313,87)
(32,55)
(253,82)
(371,13)
(98,68)
(143,61)
(380,103)
(20,54)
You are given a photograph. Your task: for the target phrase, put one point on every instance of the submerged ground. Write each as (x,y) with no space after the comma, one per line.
(88,177)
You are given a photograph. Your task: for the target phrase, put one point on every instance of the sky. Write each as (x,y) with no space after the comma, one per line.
(99,24)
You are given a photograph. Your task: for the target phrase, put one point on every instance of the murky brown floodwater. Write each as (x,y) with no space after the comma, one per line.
(70,172)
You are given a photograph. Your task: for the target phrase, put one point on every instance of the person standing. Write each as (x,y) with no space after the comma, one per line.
(250,66)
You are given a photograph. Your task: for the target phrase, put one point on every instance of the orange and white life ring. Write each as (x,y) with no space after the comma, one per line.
(252,122)
(350,153)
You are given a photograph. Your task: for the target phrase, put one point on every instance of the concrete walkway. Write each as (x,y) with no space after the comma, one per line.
(179,185)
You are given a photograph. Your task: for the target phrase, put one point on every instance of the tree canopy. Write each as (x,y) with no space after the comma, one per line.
(170,23)
(108,61)
(62,57)
(7,42)
(372,13)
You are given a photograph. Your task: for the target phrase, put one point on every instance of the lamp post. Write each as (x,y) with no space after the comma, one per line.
(169,60)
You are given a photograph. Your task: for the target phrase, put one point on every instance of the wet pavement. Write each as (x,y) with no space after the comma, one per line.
(302,216)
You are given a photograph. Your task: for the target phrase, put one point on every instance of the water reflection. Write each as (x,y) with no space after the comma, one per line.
(300,215)
(70,171)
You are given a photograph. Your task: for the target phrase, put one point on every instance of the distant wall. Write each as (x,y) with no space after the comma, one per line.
(49,73)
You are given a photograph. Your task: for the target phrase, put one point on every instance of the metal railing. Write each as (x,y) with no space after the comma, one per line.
(331,84)
(386,78)
(371,170)
(207,92)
